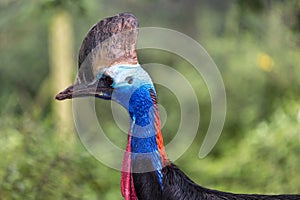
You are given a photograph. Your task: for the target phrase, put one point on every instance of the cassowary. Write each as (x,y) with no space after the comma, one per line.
(109,69)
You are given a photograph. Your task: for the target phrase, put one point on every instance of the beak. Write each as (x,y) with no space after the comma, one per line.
(97,88)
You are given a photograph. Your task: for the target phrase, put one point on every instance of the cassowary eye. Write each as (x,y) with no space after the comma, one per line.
(109,80)
(128,79)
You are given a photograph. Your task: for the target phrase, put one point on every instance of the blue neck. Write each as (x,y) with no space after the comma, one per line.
(142,110)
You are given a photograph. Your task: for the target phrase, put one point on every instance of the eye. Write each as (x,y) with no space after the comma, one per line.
(109,81)
(129,79)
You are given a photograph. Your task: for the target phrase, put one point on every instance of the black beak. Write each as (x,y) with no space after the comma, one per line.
(99,88)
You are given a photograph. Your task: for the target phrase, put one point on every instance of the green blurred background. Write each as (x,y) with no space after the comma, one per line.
(255,44)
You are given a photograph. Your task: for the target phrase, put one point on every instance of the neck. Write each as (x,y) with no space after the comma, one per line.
(145,150)
(145,130)
(146,139)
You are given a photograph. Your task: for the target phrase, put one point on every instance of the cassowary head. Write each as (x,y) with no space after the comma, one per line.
(108,65)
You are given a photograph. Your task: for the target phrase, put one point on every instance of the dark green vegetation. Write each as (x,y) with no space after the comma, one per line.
(255,44)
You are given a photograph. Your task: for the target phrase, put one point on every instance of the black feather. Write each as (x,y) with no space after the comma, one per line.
(177,186)
(146,184)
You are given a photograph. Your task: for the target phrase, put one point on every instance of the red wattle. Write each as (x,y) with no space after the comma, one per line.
(127,185)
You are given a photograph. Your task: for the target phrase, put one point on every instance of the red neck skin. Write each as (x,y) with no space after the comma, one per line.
(127,186)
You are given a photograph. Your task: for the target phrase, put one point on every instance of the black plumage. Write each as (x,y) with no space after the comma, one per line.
(177,186)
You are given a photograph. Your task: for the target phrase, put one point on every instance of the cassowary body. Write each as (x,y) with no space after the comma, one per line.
(108,69)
